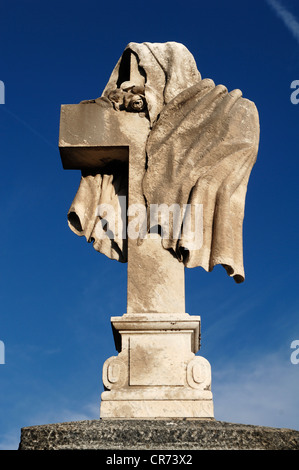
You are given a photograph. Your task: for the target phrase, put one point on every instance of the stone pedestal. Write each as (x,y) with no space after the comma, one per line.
(141,435)
(156,373)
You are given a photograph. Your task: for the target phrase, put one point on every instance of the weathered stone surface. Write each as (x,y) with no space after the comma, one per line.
(157,374)
(157,435)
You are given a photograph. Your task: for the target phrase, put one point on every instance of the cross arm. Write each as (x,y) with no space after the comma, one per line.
(90,136)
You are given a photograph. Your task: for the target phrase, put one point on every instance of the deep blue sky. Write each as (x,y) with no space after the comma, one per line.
(56,293)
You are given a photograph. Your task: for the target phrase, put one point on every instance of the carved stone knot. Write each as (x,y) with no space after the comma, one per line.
(130,98)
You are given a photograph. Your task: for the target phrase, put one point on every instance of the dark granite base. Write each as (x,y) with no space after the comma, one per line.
(156,435)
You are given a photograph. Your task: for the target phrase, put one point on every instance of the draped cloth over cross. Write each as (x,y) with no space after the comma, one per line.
(201,147)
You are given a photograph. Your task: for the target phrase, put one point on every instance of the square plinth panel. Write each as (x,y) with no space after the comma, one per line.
(158,358)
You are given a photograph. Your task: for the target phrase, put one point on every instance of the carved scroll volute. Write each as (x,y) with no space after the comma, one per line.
(199,373)
(115,374)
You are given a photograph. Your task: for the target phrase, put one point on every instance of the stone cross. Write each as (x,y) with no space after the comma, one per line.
(156,373)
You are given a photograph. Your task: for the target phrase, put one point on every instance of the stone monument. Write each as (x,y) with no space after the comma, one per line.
(165,159)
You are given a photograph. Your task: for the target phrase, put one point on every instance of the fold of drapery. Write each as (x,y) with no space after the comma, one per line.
(169,69)
(209,141)
(90,213)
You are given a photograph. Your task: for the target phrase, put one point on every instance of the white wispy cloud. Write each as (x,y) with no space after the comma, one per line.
(286,16)
(10,439)
(261,391)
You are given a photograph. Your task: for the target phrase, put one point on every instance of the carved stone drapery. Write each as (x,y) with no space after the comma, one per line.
(202,145)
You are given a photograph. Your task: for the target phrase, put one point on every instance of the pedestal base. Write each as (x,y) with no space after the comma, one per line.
(157,374)
(156,435)
(157,409)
